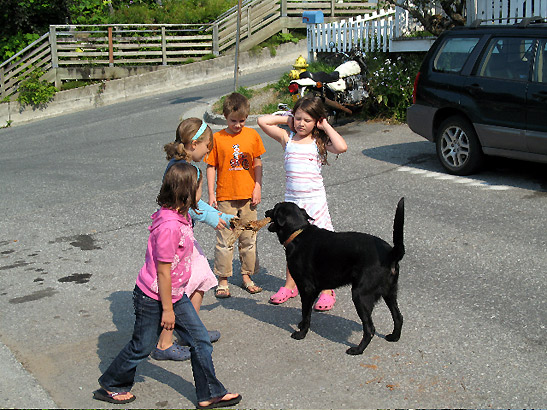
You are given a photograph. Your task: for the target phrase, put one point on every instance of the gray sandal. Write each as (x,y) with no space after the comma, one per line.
(175,352)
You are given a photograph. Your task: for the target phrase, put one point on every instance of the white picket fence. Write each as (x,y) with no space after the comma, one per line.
(505,11)
(378,30)
(370,32)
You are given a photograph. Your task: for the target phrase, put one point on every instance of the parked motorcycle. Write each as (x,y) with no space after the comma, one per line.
(343,90)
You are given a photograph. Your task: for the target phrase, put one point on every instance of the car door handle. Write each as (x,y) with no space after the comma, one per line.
(474,88)
(540,96)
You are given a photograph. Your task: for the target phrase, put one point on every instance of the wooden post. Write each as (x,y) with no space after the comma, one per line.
(163,46)
(53,46)
(238,30)
(249,20)
(332,8)
(2,85)
(216,51)
(283,8)
(110,48)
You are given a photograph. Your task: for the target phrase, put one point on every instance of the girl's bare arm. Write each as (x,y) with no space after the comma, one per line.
(270,125)
(164,285)
(211,173)
(337,143)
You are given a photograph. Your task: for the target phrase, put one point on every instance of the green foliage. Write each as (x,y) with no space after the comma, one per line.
(246,92)
(287,38)
(282,84)
(11,45)
(70,85)
(208,57)
(280,38)
(171,11)
(391,82)
(35,92)
(88,11)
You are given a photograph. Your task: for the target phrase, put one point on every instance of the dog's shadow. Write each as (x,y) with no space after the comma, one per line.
(327,325)
(111,343)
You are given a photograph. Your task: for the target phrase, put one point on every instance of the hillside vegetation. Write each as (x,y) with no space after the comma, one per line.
(24,21)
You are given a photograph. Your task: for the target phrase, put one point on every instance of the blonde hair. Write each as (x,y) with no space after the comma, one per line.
(185,133)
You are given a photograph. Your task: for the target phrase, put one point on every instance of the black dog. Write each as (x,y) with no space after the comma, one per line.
(319,259)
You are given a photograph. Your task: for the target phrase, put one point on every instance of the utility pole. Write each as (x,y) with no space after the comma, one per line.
(236,69)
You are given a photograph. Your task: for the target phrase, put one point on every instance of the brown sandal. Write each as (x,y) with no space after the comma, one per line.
(222,292)
(251,287)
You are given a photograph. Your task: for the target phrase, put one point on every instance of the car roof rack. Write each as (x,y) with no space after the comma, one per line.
(529,20)
(525,21)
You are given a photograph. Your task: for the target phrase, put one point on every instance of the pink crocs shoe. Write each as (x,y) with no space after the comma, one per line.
(325,302)
(283,294)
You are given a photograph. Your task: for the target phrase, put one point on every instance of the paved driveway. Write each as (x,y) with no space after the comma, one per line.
(77,192)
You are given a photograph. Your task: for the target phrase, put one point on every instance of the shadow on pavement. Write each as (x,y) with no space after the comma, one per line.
(421,156)
(110,344)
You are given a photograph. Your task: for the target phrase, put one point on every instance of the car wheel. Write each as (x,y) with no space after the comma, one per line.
(458,147)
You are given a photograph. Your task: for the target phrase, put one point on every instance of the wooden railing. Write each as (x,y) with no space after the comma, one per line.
(36,56)
(128,44)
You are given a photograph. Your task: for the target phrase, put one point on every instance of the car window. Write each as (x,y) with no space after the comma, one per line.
(540,65)
(454,53)
(507,58)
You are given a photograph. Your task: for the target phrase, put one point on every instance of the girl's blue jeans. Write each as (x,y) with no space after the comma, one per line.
(120,375)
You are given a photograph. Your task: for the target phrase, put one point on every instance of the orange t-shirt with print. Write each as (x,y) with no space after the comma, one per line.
(233,157)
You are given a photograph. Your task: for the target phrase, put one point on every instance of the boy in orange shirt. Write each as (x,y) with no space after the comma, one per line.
(235,163)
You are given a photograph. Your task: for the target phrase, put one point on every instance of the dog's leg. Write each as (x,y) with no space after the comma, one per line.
(304,325)
(364,305)
(391,302)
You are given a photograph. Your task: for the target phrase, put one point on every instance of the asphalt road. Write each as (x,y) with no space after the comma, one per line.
(77,192)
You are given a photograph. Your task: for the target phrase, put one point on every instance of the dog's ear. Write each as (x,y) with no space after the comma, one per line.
(305,215)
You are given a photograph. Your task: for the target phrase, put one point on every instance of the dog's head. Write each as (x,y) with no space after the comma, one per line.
(287,218)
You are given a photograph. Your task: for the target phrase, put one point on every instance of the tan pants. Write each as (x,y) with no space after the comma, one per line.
(247,241)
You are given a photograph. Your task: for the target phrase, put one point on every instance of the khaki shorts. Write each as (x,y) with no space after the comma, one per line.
(246,244)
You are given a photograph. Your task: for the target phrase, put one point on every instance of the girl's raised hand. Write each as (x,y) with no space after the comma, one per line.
(321,123)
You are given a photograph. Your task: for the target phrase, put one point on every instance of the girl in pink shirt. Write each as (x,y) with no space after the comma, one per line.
(160,301)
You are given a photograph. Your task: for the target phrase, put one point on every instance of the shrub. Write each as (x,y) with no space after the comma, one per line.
(11,45)
(35,92)
(391,82)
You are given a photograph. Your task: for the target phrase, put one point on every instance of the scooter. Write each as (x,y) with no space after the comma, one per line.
(343,90)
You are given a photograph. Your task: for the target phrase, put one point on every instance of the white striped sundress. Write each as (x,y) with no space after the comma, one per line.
(304,183)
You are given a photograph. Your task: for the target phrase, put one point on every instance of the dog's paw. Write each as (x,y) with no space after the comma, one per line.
(393,338)
(299,334)
(355,350)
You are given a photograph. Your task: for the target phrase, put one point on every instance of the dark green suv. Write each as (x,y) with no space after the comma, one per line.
(482,90)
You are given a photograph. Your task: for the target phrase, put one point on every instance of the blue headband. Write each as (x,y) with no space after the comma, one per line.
(200,131)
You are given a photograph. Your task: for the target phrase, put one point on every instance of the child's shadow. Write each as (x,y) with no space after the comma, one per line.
(111,343)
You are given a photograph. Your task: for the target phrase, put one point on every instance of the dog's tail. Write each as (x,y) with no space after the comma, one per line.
(398,250)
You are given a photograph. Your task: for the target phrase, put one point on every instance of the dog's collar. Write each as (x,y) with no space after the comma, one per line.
(291,238)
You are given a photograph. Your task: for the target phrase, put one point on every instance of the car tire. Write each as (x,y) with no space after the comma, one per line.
(458,147)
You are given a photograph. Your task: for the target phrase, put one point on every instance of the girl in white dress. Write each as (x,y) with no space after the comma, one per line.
(306,147)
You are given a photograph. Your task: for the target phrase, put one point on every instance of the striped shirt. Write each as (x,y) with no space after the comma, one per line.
(304,182)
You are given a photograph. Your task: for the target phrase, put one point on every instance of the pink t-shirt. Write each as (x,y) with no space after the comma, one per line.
(170,240)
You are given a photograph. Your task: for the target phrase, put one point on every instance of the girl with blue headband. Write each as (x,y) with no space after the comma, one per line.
(192,143)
